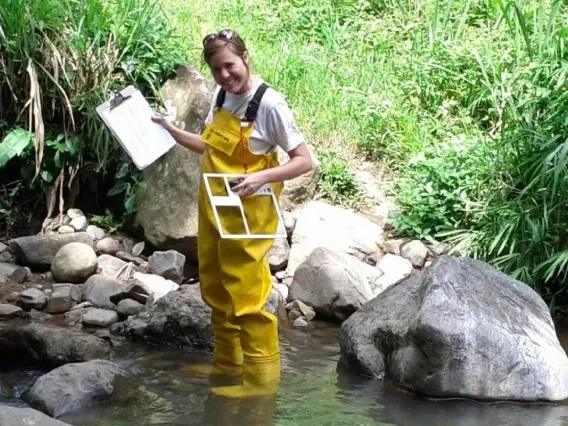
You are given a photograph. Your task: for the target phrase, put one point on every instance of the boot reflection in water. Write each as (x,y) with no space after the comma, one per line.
(256,411)
(248,121)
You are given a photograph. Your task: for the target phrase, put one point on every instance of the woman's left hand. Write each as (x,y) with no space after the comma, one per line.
(250,184)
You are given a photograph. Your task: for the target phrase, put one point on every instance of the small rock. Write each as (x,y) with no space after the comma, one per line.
(75,316)
(98,289)
(66,229)
(100,317)
(108,245)
(38,286)
(279,254)
(280,275)
(75,213)
(306,311)
(138,249)
(128,245)
(6,271)
(122,255)
(110,265)
(79,223)
(95,232)
(168,264)
(301,322)
(289,223)
(64,297)
(438,249)
(127,307)
(29,272)
(74,263)
(416,252)
(103,334)
(82,305)
(32,298)
(20,416)
(19,275)
(135,290)
(373,258)
(394,268)
(294,314)
(8,257)
(282,289)
(13,297)
(393,246)
(3,247)
(48,291)
(36,316)
(10,311)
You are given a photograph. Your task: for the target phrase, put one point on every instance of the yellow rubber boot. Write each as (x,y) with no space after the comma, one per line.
(260,378)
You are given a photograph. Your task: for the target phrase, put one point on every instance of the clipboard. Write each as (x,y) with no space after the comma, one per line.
(128,116)
(234,200)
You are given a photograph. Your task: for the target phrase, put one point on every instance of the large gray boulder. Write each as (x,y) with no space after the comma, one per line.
(20,416)
(48,346)
(38,251)
(74,387)
(99,288)
(459,329)
(335,284)
(180,318)
(322,225)
(167,207)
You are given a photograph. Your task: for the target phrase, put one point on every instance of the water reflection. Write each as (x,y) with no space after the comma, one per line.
(314,390)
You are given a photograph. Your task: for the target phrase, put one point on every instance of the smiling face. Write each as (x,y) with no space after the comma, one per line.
(231,71)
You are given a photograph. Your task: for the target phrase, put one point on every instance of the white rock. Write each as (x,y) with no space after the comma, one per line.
(159,285)
(95,232)
(66,229)
(279,254)
(416,252)
(138,248)
(282,289)
(74,213)
(322,225)
(301,322)
(74,263)
(394,268)
(109,265)
(108,245)
(79,223)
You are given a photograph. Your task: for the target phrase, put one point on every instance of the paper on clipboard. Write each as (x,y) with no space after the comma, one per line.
(128,116)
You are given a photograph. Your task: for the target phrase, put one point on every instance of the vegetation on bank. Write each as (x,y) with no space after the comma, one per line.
(463,101)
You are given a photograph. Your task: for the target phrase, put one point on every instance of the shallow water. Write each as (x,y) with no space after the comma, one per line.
(313,391)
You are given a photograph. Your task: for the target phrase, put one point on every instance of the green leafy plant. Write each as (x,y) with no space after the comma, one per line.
(336,181)
(128,181)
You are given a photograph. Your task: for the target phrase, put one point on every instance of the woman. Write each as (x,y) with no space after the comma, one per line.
(247,123)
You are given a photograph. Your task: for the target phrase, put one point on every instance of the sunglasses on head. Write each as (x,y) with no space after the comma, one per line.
(222,35)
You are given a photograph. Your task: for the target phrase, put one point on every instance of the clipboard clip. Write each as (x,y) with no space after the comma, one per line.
(118,98)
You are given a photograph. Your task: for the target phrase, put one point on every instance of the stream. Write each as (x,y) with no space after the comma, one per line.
(313,391)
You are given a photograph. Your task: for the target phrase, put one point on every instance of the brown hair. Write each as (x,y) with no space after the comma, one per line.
(235,44)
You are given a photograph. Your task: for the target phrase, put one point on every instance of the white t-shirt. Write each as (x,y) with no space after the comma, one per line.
(274,125)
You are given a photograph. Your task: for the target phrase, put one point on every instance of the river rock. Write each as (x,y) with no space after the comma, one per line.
(39,250)
(98,289)
(306,311)
(335,284)
(279,254)
(23,416)
(8,311)
(322,225)
(63,298)
(275,304)
(79,223)
(99,317)
(74,263)
(301,322)
(180,318)
(167,207)
(47,346)
(168,264)
(108,245)
(394,268)
(138,248)
(8,257)
(32,298)
(65,229)
(302,188)
(459,329)
(416,252)
(3,247)
(75,387)
(289,219)
(393,246)
(110,265)
(135,290)
(157,284)
(95,232)
(10,272)
(75,213)
(128,307)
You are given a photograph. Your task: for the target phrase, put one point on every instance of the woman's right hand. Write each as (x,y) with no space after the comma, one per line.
(162,120)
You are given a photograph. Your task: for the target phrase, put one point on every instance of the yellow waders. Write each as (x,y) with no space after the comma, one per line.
(234,274)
